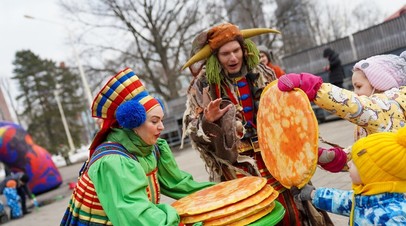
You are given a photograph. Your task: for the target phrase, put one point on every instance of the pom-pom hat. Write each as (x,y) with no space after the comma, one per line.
(123,101)
(384,71)
(380,159)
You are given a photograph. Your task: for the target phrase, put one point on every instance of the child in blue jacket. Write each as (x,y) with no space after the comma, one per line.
(378,175)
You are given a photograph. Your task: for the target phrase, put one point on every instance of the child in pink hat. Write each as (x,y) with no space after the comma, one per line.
(383,72)
(377,103)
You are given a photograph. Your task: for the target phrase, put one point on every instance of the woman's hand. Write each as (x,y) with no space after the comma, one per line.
(213,112)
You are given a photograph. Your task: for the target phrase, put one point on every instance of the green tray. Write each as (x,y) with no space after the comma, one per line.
(272,218)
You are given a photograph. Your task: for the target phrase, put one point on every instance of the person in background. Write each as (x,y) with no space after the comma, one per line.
(266,57)
(129,165)
(221,111)
(378,180)
(23,190)
(377,103)
(13,199)
(334,68)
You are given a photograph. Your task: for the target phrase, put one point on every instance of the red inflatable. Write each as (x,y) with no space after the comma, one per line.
(18,152)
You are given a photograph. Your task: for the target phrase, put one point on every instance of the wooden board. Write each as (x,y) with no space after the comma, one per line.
(219,195)
(288,135)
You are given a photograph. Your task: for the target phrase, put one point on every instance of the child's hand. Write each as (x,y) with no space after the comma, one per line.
(306,193)
(332,160)
(309,83)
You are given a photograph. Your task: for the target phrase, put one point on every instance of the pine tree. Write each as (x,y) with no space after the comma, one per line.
(37,79)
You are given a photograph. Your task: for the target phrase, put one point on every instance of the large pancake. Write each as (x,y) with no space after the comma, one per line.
(256,198)
(240,215)
(288,135)
(219,195)
(254,217)
(271,218)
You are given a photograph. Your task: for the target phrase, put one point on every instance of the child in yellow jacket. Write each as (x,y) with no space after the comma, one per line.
(377,104)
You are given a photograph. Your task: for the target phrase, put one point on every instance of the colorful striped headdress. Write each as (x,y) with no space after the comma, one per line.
(123,101)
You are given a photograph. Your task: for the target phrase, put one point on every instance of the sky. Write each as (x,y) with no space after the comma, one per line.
(47,35)
(18,33)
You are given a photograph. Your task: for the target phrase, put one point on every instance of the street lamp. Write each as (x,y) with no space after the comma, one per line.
(81,71)
(65,124)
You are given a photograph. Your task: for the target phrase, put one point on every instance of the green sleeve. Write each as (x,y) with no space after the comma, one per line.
(120,184)
(174,182)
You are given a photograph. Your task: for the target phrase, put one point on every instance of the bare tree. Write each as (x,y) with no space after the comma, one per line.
(256,13)
(151,36)
(154,37)
(330,22)
(293,16)
(366,16)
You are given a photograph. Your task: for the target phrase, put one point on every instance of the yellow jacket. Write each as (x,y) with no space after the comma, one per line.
(381,112)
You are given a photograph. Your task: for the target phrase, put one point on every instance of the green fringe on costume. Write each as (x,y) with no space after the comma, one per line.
(253,54)
(213,69)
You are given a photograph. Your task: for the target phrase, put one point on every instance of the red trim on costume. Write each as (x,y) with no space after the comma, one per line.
(133,86)
(150,103)
(245,90)
(217,87)
(102,134)
(247,103)
(230,94)
(153,187)
(85,193)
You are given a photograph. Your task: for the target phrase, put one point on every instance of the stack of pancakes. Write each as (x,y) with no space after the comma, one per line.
(236,202)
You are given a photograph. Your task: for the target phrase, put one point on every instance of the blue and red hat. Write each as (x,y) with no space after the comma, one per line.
(123,102)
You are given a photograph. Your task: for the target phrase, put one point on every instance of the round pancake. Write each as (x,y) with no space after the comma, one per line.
(272,218)
(219,195)
(254,217)
(256,198)
(287,135)
(240,215)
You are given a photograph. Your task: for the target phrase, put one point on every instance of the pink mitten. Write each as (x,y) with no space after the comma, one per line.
(309,83)
(333,159)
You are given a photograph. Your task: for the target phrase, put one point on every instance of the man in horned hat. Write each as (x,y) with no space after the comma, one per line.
(222,105)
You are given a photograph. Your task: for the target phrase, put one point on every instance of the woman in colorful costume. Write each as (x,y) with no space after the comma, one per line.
(129,165)
(222,105)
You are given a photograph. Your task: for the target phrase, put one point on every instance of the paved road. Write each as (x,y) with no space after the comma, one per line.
(339,132)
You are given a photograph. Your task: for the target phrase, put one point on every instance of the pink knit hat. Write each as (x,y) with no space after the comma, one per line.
(384,71)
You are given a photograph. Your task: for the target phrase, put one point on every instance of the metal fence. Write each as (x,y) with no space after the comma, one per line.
(173,121)
(387,37)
